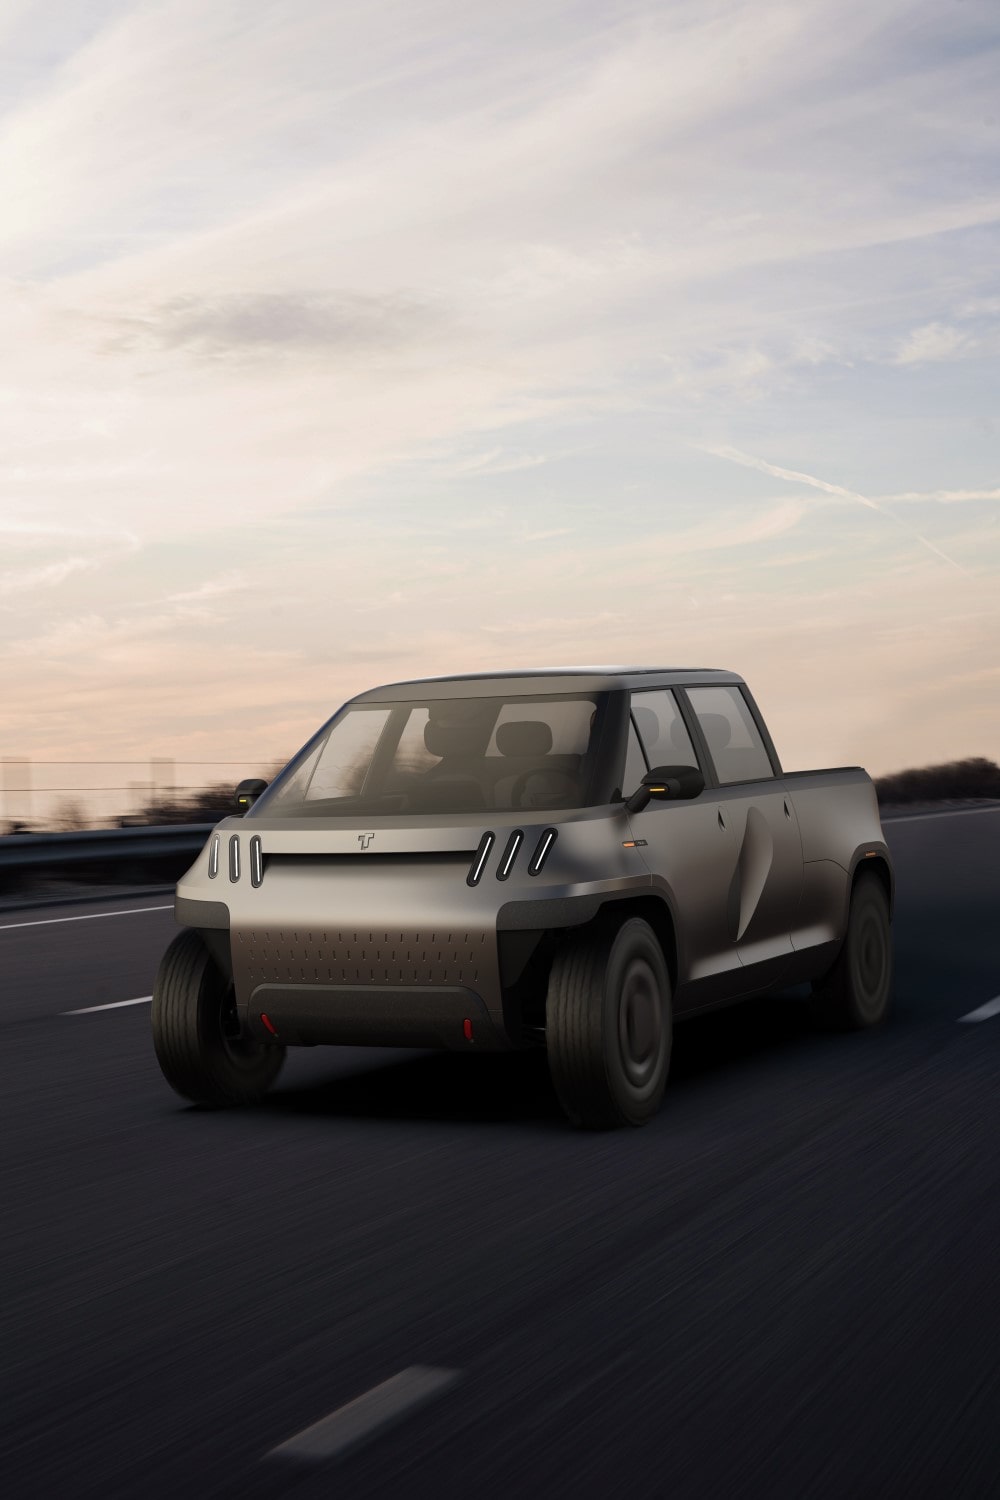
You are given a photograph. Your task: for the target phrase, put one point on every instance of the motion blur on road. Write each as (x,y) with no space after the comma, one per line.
(786,1285)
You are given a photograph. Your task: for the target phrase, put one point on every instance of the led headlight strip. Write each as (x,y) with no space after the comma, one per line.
(542,849)
(510,854)
(482,855)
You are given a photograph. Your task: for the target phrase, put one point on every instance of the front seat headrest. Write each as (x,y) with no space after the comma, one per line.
(444,739)
(524,737)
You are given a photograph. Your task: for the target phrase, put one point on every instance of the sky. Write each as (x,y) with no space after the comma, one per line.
(343,342)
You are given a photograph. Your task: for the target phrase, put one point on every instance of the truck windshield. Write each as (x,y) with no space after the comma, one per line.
(459,755)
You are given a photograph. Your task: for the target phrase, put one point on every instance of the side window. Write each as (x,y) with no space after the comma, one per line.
(412,755)
(664,736)
(347,754)
(635,765)
(734,741)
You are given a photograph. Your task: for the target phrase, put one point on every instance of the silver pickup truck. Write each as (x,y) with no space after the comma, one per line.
(567,859)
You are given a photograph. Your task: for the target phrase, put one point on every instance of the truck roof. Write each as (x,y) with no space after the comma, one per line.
(536,680)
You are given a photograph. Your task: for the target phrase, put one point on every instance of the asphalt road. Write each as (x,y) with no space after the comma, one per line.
(786,1286)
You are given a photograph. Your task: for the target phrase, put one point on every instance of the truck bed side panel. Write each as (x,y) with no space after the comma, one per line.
(838,818)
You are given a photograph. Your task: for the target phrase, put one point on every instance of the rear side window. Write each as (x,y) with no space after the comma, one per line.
(661,729)
(733,738)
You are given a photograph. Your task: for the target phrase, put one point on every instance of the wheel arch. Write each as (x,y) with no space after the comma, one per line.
(526,955)
(656,913)
(876,862)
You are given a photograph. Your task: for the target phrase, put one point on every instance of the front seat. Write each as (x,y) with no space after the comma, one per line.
(526,743)
(455,782)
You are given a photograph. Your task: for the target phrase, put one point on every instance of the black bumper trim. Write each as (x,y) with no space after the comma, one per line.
(202,914)
(373,1016)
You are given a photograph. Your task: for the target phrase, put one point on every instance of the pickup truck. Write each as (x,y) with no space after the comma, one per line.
(569,859)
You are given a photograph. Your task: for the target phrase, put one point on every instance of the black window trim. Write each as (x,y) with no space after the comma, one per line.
(689,720)
(638,736)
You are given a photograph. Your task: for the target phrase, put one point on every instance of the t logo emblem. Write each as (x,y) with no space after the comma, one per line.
(364,839)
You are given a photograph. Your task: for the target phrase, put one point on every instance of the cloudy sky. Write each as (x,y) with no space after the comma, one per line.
(342,342)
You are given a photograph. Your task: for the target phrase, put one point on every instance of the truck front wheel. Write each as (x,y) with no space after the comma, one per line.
(608,1026)
(856,992)
(196,1031)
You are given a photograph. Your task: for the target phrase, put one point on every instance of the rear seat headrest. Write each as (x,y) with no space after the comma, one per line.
(717,730)
(524,737)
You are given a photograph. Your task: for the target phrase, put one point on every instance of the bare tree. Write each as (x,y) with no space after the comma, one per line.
(69,817)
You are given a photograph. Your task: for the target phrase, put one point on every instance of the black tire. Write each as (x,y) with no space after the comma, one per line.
(856,993)
(608,1026)
(196,1034)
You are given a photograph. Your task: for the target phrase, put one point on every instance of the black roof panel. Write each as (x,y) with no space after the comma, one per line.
(551,679)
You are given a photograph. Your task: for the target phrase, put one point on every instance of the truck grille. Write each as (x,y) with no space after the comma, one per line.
(356,956)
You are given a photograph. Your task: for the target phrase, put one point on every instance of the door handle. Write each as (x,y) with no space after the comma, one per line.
(722,821)
(788,813)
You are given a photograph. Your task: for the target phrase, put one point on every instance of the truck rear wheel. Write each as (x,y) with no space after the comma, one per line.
(196,1031)
(608,1026)
(855,993)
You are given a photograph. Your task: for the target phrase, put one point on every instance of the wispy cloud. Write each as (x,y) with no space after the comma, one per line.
(329,328)
(934,341)
(27,580)
(795,476)
(495,461)
(265,322)
(212,588)
(946,497)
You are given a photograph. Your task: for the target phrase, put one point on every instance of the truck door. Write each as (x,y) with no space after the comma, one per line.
(691,852)
(768,882)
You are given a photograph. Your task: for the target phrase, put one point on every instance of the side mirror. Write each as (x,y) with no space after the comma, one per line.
(667,784)
(247,793)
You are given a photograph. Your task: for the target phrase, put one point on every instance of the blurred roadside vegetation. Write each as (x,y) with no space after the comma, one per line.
(970,780)
(955,781)
(205,806)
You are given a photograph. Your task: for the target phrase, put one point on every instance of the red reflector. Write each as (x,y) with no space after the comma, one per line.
(267,1022)
(467,1028)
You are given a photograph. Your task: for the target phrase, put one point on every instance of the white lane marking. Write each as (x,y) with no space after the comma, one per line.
(359,1420)
(91,916)
(991,1008)
(88,1010)
(944,812)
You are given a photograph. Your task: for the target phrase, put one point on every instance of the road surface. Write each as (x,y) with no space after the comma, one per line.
(787,1285)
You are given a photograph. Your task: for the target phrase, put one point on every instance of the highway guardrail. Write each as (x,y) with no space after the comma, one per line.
(123,855)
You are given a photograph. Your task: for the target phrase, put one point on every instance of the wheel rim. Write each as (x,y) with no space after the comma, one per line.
(640,1023)
(871,963)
